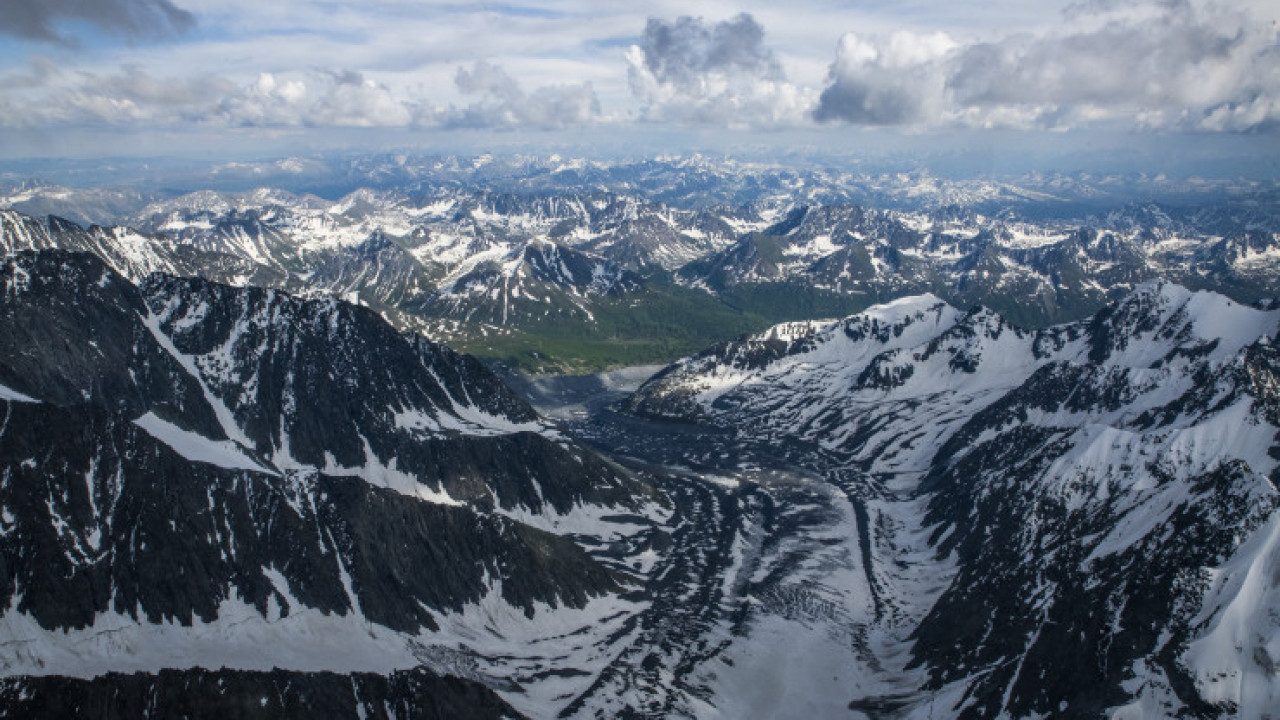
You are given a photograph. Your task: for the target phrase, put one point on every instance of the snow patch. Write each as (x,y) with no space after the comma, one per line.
(387,475)
(1237,660)
(12,395)
(198,448)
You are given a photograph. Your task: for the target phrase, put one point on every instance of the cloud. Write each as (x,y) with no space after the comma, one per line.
(894,80)
(47,95)
(503,104)
(269,101)
(721,74)
(1168,64)
(1198,65)
(351,100)
(322,98)
(684,52)
(137,19)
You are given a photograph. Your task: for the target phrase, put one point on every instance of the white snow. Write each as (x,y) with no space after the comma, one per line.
(198,448)
(11,395)
(820,246)
(504,642)
(488,638)
(799,656)
(240,638)
(224,415)
(1237,657)
(585,520)
(471,420)
(1026,235)
(387,475)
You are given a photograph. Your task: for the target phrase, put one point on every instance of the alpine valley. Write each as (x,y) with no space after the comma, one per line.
(857,444)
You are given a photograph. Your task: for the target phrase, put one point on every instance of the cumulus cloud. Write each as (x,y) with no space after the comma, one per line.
(502,103)
(894,80)
(684,52)
(323,98)
(268,101)
(38,19)
(721,73)
(349,99)
(1169,64)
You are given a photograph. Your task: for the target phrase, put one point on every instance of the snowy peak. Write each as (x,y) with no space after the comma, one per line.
(555,264)
(20,232)
(129,253)
(1077,480)
(1138,356)
(833,356)
(1139,329)
(893,317)
(528,284)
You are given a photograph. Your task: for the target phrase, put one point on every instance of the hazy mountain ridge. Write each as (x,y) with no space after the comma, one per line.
(689,182)
(1040,272)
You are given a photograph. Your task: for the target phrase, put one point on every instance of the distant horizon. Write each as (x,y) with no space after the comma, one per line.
(1210,158)
(1189,87)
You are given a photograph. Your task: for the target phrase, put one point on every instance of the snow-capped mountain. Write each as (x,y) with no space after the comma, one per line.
(454,249)
(220,490)
(461,272)
(128,252)
(83,206)
(1037,272)
(237,478)
(1072,522)
(531,283)
(278,228)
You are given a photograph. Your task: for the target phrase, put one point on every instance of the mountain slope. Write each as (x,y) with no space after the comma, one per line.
(201,476)
(1100,496)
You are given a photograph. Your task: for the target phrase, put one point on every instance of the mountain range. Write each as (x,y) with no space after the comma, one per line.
(558,277)
(977,455)
(209,490)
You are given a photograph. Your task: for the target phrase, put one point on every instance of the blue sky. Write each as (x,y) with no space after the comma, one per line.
(235,77)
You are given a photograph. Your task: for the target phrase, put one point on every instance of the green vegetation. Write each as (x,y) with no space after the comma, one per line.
(658,325)
(784,301)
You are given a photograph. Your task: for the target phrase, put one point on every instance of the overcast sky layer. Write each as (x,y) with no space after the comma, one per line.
(236,77)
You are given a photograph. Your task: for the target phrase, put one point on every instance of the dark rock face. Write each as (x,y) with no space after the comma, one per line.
(108,519)
(107,514)
(72,333)
(317,383)
(1059,617)
(192,444)
(217,694)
